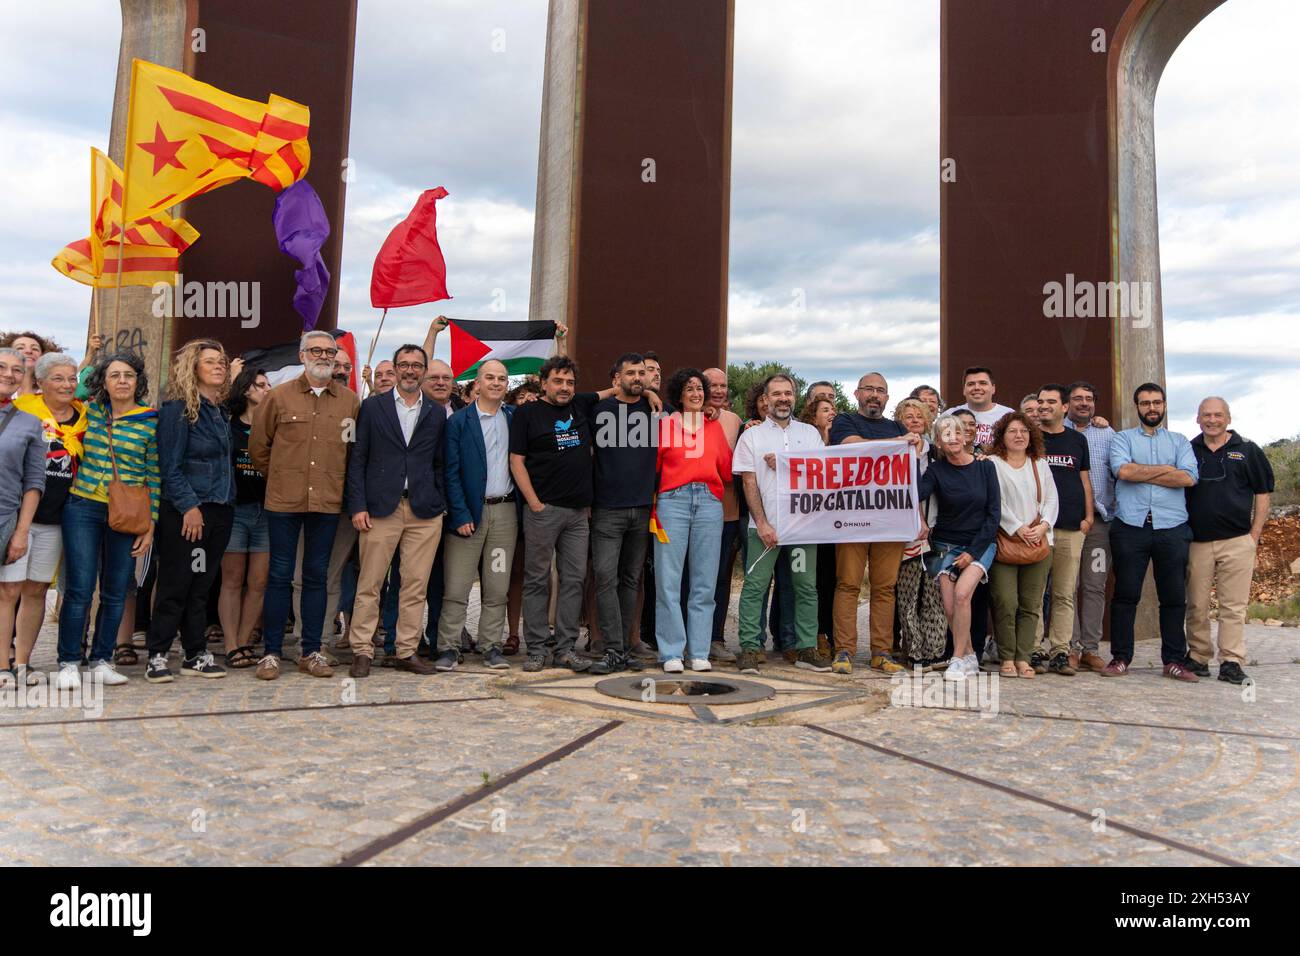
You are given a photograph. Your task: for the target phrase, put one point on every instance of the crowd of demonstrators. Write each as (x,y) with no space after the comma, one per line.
(391,509)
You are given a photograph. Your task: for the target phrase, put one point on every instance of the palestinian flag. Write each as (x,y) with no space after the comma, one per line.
(281,362)
(522,346)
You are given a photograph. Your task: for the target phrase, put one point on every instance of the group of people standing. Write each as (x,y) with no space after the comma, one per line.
(631,503)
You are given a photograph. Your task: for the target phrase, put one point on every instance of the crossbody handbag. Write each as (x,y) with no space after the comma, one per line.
(129,510)
(1013,549)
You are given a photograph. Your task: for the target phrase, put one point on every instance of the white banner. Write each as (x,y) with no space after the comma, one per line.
(865,491)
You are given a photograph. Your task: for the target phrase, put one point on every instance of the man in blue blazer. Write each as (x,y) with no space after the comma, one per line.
(483,517)
(395,497)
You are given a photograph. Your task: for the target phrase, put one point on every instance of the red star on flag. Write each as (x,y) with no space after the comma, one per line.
(163,150)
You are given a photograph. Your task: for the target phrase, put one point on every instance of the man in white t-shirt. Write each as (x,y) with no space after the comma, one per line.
(978,387)
(755,461)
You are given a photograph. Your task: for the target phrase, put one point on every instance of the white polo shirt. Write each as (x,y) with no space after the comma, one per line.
(770,438)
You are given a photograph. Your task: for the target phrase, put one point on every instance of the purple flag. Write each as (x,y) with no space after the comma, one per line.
(301,228)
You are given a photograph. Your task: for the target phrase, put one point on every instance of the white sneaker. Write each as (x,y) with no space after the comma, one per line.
(69,677)
(972,665)
(107,673)
(700,665)
(956,669)
(673,666)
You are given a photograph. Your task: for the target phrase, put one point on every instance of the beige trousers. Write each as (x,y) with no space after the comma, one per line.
(1228,565)
(419,539)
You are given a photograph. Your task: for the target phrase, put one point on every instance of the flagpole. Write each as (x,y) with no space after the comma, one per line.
(375,340)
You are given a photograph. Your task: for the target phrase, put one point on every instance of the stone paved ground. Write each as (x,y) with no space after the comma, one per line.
(191,773)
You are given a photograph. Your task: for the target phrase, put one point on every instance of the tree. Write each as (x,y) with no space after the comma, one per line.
(740,378)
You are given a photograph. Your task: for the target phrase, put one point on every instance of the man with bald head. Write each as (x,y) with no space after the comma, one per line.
(483,518)
(439,387)
(879,560)
(1227,509)
(719,398)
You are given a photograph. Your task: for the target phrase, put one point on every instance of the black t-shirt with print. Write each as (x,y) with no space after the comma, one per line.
(1067,453)
(250,484)
(60,470)
(555,441)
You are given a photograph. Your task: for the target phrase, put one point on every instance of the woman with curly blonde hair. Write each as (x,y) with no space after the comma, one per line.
(196,511)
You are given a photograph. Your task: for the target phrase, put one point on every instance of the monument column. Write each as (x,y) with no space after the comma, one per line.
(634,180)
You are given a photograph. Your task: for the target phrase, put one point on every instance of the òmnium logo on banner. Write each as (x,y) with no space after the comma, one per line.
(77,909)
(859,492)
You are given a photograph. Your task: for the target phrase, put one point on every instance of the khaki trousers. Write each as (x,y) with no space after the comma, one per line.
(880,560)
(1067,546)
(487,554)
(418,538)
(1228,565)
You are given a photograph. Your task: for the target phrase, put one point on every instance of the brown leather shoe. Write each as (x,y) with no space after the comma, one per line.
(1092,662)
(415,664)
(315,665)
(1074,660)
(360,666)
(790,656)
(268,668)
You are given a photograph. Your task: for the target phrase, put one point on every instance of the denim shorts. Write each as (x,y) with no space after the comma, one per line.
(942,555)
(249,534)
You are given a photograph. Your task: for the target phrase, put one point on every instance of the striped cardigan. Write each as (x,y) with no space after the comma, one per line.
(134,443)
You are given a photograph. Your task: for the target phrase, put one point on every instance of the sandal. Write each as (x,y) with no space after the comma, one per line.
(242,657)
(214,634)
(1009,669)
(124,655)
(1024,669)
(511,646)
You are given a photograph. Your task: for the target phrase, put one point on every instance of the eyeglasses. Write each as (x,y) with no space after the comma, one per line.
(317,351)
(410,366)
(1154,403)
(873,390)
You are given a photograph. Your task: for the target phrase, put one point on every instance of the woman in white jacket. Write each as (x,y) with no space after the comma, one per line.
(1029,508)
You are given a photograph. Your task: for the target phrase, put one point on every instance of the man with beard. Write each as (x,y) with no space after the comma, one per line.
(880,560)
(395,497)
(300,442)
(1152,466)
(550,462)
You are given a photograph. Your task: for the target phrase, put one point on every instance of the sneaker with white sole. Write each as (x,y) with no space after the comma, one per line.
(673,666)
(202,665)
(158,672)
(956,669)
(106,673)
(972,665)
(69,676)
(700,665)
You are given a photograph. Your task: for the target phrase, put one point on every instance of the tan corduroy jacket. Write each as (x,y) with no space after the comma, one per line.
(300,442)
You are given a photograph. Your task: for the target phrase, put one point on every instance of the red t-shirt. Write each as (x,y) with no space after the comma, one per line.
(684,457)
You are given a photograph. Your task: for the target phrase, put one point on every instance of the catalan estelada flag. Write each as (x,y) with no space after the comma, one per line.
(153,244)
(185,137)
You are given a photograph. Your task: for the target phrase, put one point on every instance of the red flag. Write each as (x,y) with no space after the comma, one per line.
(409,269)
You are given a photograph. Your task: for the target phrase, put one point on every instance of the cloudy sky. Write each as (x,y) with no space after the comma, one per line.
(835,141)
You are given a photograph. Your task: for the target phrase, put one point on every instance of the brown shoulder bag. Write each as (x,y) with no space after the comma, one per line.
(129,510)
(1013,549)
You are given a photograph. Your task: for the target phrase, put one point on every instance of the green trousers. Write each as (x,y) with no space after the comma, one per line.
(1017,593)
(758,575)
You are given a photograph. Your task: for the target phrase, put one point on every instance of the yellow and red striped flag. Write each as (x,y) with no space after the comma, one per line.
(185,137)
(153,244)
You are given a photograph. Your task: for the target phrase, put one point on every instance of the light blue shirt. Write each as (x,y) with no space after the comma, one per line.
(1136,499)
(1103,482)
(496,440)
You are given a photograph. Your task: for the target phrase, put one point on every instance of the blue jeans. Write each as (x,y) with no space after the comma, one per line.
(318,532)
(692,518)
(92,549)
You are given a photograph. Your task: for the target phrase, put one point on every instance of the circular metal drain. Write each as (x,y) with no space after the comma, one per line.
(686,690)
